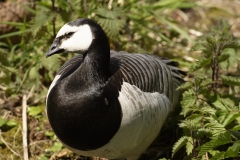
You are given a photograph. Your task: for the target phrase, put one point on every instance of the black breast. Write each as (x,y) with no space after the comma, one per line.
(86,119)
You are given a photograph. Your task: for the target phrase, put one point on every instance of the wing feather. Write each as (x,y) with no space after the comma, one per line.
(147,72)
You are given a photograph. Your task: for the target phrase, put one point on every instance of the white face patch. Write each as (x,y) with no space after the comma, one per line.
(80,41)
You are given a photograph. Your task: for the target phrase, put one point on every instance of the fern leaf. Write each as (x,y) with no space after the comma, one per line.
(211,40)
(218,104)
(229,80)
(223,57)
(208,110)
(189,146)
(230,117)
(206,82)
(208,48)
(214,152)
(201,63)
(222,114)
(233,150)
(223,138)
(218,156)
(112,21)
(179,144)
(186,86)
(188,101)
(230,104)
(216,127)
(201,132)
(190,124)
(42,18)
(194,116)
(235,128)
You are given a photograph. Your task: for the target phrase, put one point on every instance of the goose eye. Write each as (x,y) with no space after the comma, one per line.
(69,34)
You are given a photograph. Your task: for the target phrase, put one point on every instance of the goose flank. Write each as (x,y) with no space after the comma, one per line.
(106,103)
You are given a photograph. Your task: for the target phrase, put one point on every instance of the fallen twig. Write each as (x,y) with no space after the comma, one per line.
(207,156)
(24,125)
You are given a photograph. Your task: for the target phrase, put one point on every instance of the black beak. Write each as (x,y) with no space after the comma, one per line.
(54,49)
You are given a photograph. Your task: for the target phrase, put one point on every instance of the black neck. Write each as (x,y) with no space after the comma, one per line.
(94,69)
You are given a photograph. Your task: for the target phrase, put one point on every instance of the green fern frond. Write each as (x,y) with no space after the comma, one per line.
(186,86)
(211,40)
(208,49)
(229,80)
(233,151)
(40,20)
(201,132)
(201,64)
(230,117)
(218,156)
(189,146)
(179,144)
(188,101)
(223,138)
(214,152)
(195,116)
(223,57)
(219,104)
(112,21)
(235,128)
(207,110)
(206,82)
(190,124)
(216,127)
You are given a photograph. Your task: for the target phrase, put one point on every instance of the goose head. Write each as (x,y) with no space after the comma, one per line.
(78,36)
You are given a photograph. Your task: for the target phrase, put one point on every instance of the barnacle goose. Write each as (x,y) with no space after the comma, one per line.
(106,103)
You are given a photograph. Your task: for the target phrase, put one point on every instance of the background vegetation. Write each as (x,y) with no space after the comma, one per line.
(202,36)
